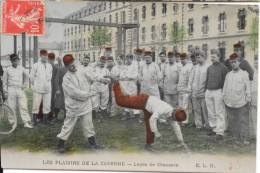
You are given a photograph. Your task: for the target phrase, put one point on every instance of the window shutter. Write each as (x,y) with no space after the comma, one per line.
(238,25)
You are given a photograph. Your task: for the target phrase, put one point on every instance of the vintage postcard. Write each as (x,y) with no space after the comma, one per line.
(129,86)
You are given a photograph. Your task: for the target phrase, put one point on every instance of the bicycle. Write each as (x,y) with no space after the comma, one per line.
(8,119)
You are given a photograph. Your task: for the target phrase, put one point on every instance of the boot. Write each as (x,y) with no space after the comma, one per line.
(46,119)
(94,114)
(138,116)
(94,145)
(34,122)
(104,113)
(60,147)
(126,116)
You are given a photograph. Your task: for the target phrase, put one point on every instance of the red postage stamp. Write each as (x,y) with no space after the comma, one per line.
(20,16)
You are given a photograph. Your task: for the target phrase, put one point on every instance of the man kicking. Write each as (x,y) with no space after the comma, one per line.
(154,109)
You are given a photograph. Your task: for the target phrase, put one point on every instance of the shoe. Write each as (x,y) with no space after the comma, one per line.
(219,137)
(211,133)
(94,145)
(61,147)
(94,114)
(148,147)
(184,147)
(34,120)
(27,125)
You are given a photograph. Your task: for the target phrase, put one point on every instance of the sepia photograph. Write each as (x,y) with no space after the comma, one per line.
(129,86)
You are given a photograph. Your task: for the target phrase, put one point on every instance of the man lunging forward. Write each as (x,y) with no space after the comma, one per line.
(154,109)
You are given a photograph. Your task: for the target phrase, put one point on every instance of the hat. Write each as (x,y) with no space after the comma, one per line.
(177,53)
(43,52)
(148,52)
(232,56)
(51,56)
(102,58)
(108,48)
(170,54)
(192,56)
(180,115)
(67,59)
(183,55)
(110,58)
(138,51)
(162,53)
(237,45)
(13,57)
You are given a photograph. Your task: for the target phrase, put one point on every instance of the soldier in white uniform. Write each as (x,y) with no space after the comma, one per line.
(170,81)
(77,91)
(41,75)
(184,94)
(128,78)
(150,77)
(162,66)
(100,100)
(177,59)
(15,80)
(139,62)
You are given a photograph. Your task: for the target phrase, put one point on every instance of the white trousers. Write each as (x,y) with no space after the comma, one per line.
(70,122)
(177,130)
(100,100)
(183,100)
(17,95)
(171,99)
(46,102)
(216,110)
(200,112)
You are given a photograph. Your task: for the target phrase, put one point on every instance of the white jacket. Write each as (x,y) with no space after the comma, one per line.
(128,79)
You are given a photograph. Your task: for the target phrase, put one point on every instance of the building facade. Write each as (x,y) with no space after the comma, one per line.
(208,26)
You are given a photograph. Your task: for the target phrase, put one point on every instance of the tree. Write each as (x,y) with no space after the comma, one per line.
(100,37)
(176,34)
(253,38)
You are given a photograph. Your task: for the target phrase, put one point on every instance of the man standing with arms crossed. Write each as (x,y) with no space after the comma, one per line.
(41,75)
(15,80)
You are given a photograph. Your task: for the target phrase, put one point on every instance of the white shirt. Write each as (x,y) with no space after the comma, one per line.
(100,73)
(170,78)
(40,76)
(159,110)
(128,79)
(184,78)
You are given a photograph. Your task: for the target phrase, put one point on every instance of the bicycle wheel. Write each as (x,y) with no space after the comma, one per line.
(8,120)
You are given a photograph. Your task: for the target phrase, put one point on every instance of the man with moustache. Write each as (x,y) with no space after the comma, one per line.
(40,76)
(216,75)
(77,91)
(150,77)
(15,81)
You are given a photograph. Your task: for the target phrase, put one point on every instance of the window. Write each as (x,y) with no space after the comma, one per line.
(65,33)
(134,35)
(88,28)
(105,6)
(153,32)
(79,28)
(65,45)
(75,29)
(71,30)
(89,42)
(79,44)
(76,16)
(68,32)
(84,28)
(105,19)
(205,50)
(84,43)
(143,34)
(175,29)
(191,28)
(190,6)
(190,47)
(135,14)
(116,17)
(116,4)
(205,24)
(205,5)
(72,45)
(164,8)
(153,9)
(94,58)
(123,17)
(80,15)
(222,51)
(222,22)
(175,7)
(75,44)
(68,45)
(241,24)
(94,9)
(99,7)
(110,18)
(164,31)
(110,5)
(144,12)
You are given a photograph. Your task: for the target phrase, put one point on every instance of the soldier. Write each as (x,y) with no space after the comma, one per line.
(182,88)
(100,100)
(216,74)
(15,81)
(51,59)
(77,92)
(154,109)
(41,75)
(177,59)
(110,64)
(128,78)
(162,65)
(139,62)
(237,97)
(150,77)
(198,83)
(108,51)
(59,102)
(170,81)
